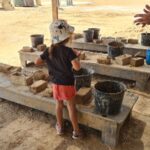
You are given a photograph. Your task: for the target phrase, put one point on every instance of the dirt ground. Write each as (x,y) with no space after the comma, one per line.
(22,128)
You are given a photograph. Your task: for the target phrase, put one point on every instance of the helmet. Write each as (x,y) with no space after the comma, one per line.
(60,30)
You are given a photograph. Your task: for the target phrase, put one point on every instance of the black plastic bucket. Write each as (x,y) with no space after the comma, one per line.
(145,39)
(108,97)
(115,49)
(37,39)
(83,78)
(88,35)
(96,32)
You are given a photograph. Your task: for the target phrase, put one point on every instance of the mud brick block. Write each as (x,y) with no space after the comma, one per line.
(47,92)
(123,59)
(83,95)
(15,69)
(5,68)
(97,41)
(137,61)
(38,86)
(104,60)
(39,75)
(19,79)
(106,40)
(78,35)
(27,49)
(82,56)
(121,39)
(41,47)
(133,41)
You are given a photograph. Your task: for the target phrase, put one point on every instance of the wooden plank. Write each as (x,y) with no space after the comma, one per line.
(129,48)
(55,9)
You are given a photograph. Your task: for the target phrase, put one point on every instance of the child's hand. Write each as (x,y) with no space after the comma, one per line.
(143,19)
(77,52)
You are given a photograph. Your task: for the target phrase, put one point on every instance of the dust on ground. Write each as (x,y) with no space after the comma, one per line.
(22,128)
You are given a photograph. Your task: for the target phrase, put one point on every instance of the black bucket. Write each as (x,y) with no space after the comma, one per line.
(96,32)
(83,78)
(115,49)
(108,97)
(37,39)
(88,35)
(145,39)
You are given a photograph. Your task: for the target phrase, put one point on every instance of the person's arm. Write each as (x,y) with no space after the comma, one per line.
(39,61)
(42,58)
(76,65)
(143,19)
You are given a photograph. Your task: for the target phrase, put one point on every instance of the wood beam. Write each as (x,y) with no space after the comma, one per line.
(55,9)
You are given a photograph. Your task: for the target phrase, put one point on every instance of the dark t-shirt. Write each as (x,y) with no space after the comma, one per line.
(59,66)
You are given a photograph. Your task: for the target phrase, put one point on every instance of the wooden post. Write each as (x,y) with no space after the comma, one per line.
(55,9)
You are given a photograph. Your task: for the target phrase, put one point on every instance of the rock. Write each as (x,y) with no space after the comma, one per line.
(123,59)
(83,95)
(137,61)
(38,86)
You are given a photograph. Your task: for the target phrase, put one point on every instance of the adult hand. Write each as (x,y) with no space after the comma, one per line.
(143,19)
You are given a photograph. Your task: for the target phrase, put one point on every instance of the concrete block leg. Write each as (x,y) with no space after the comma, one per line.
(110,135)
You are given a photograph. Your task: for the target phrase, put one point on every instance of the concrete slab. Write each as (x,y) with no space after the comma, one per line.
(129,48)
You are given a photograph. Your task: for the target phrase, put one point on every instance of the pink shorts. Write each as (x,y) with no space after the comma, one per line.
(63,92)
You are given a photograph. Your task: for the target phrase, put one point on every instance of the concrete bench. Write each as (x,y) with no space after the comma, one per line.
(109,126)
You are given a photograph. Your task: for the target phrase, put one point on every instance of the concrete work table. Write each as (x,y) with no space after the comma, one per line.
(110,125)
(139,74)
(129,48)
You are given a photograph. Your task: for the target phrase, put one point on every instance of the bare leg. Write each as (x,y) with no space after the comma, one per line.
(73,115)
(59,113)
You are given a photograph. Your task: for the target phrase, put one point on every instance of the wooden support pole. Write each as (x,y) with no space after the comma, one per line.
(55,9)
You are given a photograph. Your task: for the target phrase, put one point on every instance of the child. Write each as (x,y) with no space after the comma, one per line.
(61,60)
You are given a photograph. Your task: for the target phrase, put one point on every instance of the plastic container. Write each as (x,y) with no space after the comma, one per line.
(88,35)
(148,56)
(115,49)
(96,32)
(108,97)
(145,39)
(37,39)
(83,78)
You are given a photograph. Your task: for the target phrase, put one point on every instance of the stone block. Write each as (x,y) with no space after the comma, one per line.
(121,39)
(137,61)
(47,92)
(38,86)
(123,59)
(83,95)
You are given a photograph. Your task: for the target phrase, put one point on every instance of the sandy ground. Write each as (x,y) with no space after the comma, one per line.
(22,128)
